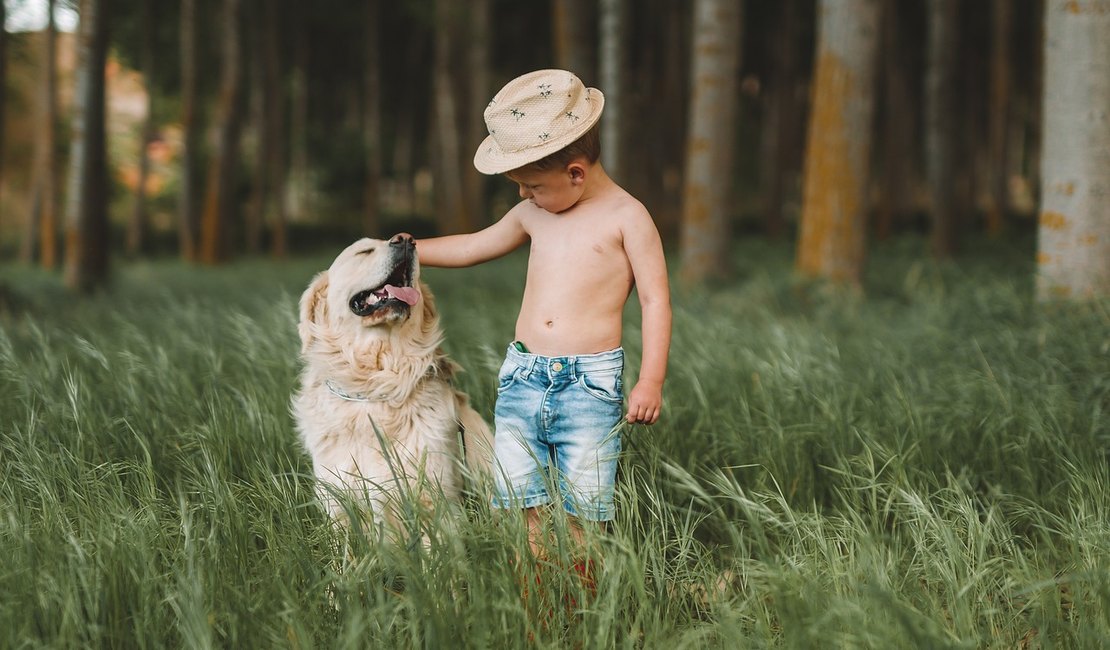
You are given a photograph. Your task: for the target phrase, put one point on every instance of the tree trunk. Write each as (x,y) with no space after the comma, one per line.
(137,225)
(372,122)
(573,42)
(940,124)
(42,221)
(613,63)
(480,94)
(999,125)
(260,115)
(87,199)
(3,86)
(187,221)
(1073,248)
(780,120)
(297,182)
(898,120)
(838,149)
(277,163)
(709,141)
(451,206)
(219,200)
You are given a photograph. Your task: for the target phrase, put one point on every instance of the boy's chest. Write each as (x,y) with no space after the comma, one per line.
(574,237)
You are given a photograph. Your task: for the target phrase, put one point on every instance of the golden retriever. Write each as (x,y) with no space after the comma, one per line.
(376,408)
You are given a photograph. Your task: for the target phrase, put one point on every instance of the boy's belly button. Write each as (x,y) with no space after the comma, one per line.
(550,324)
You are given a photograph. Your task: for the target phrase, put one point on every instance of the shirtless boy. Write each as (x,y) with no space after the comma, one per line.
(559,390)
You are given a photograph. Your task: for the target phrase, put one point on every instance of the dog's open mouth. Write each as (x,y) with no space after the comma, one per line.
(396,291)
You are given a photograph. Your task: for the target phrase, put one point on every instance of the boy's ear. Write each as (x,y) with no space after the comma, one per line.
(577,172)
(314,308)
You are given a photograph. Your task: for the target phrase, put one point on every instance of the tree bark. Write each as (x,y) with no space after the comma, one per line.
(480,94)
(260,116)
(999,124)
(940,124)
(451,205)
(838,149)
(297,181)
(612,66)
(86,264)
(277,163)
(137,224)
(188,226)
(372,122)
(706,206)
(780,120)
(1073,248)
(42,221)
(219,201)
(573,42)
(898,119)
(3,84)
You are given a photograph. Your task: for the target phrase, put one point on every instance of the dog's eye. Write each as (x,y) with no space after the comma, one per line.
(365,252)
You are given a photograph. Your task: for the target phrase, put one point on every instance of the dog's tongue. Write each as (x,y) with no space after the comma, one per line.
(407,295)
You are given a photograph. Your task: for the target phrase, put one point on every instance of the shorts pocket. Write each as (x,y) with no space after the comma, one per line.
(507,375)
(605,386)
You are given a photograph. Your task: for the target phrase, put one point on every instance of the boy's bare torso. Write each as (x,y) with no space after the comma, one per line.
(579,275)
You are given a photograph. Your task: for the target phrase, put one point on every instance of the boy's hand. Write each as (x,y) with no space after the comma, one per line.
(644,403)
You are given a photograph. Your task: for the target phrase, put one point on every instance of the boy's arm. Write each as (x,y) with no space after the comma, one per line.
(473,248)
(649,269)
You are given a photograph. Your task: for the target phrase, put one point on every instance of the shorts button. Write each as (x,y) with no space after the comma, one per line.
(556,366)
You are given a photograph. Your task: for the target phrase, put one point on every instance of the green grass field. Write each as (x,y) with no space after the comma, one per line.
(924,467)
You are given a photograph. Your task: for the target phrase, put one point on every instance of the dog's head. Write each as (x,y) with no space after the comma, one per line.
(372,287)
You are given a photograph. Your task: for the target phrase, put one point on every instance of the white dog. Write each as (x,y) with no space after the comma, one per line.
(376,408)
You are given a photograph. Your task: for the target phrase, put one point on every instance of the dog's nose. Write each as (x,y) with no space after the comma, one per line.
(402,240)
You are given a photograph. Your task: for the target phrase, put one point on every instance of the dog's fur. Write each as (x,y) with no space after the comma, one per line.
(381,379)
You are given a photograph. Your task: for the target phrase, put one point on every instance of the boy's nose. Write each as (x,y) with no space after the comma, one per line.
(524,193)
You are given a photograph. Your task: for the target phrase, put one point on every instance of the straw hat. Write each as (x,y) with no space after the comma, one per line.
(534,116)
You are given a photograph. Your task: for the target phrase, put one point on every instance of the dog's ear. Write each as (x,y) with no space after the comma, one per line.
(428,307)
(314,308)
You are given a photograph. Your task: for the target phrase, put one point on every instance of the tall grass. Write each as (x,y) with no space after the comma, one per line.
(925,466)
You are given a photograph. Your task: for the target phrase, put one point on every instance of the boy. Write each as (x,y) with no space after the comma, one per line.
(559,390)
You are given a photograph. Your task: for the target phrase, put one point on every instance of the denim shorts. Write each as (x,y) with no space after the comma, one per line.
(557,424)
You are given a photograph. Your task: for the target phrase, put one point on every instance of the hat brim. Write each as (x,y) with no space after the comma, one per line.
(490,159)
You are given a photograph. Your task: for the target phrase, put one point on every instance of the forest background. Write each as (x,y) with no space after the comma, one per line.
(229,123)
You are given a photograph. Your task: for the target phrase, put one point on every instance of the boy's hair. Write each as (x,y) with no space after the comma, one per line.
(588,146)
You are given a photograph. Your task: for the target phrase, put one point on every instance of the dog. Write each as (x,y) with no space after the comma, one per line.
(376,408)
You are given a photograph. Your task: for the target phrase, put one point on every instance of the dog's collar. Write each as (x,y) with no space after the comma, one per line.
(342,394)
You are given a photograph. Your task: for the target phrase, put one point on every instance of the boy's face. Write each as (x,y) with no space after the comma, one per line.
(554,190)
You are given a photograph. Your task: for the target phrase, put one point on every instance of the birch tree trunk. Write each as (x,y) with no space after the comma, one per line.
(219,199)
(612,64)
(86,264)
(940,124)
(706,205)
(187,217)
(838,146)
(1073,247)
